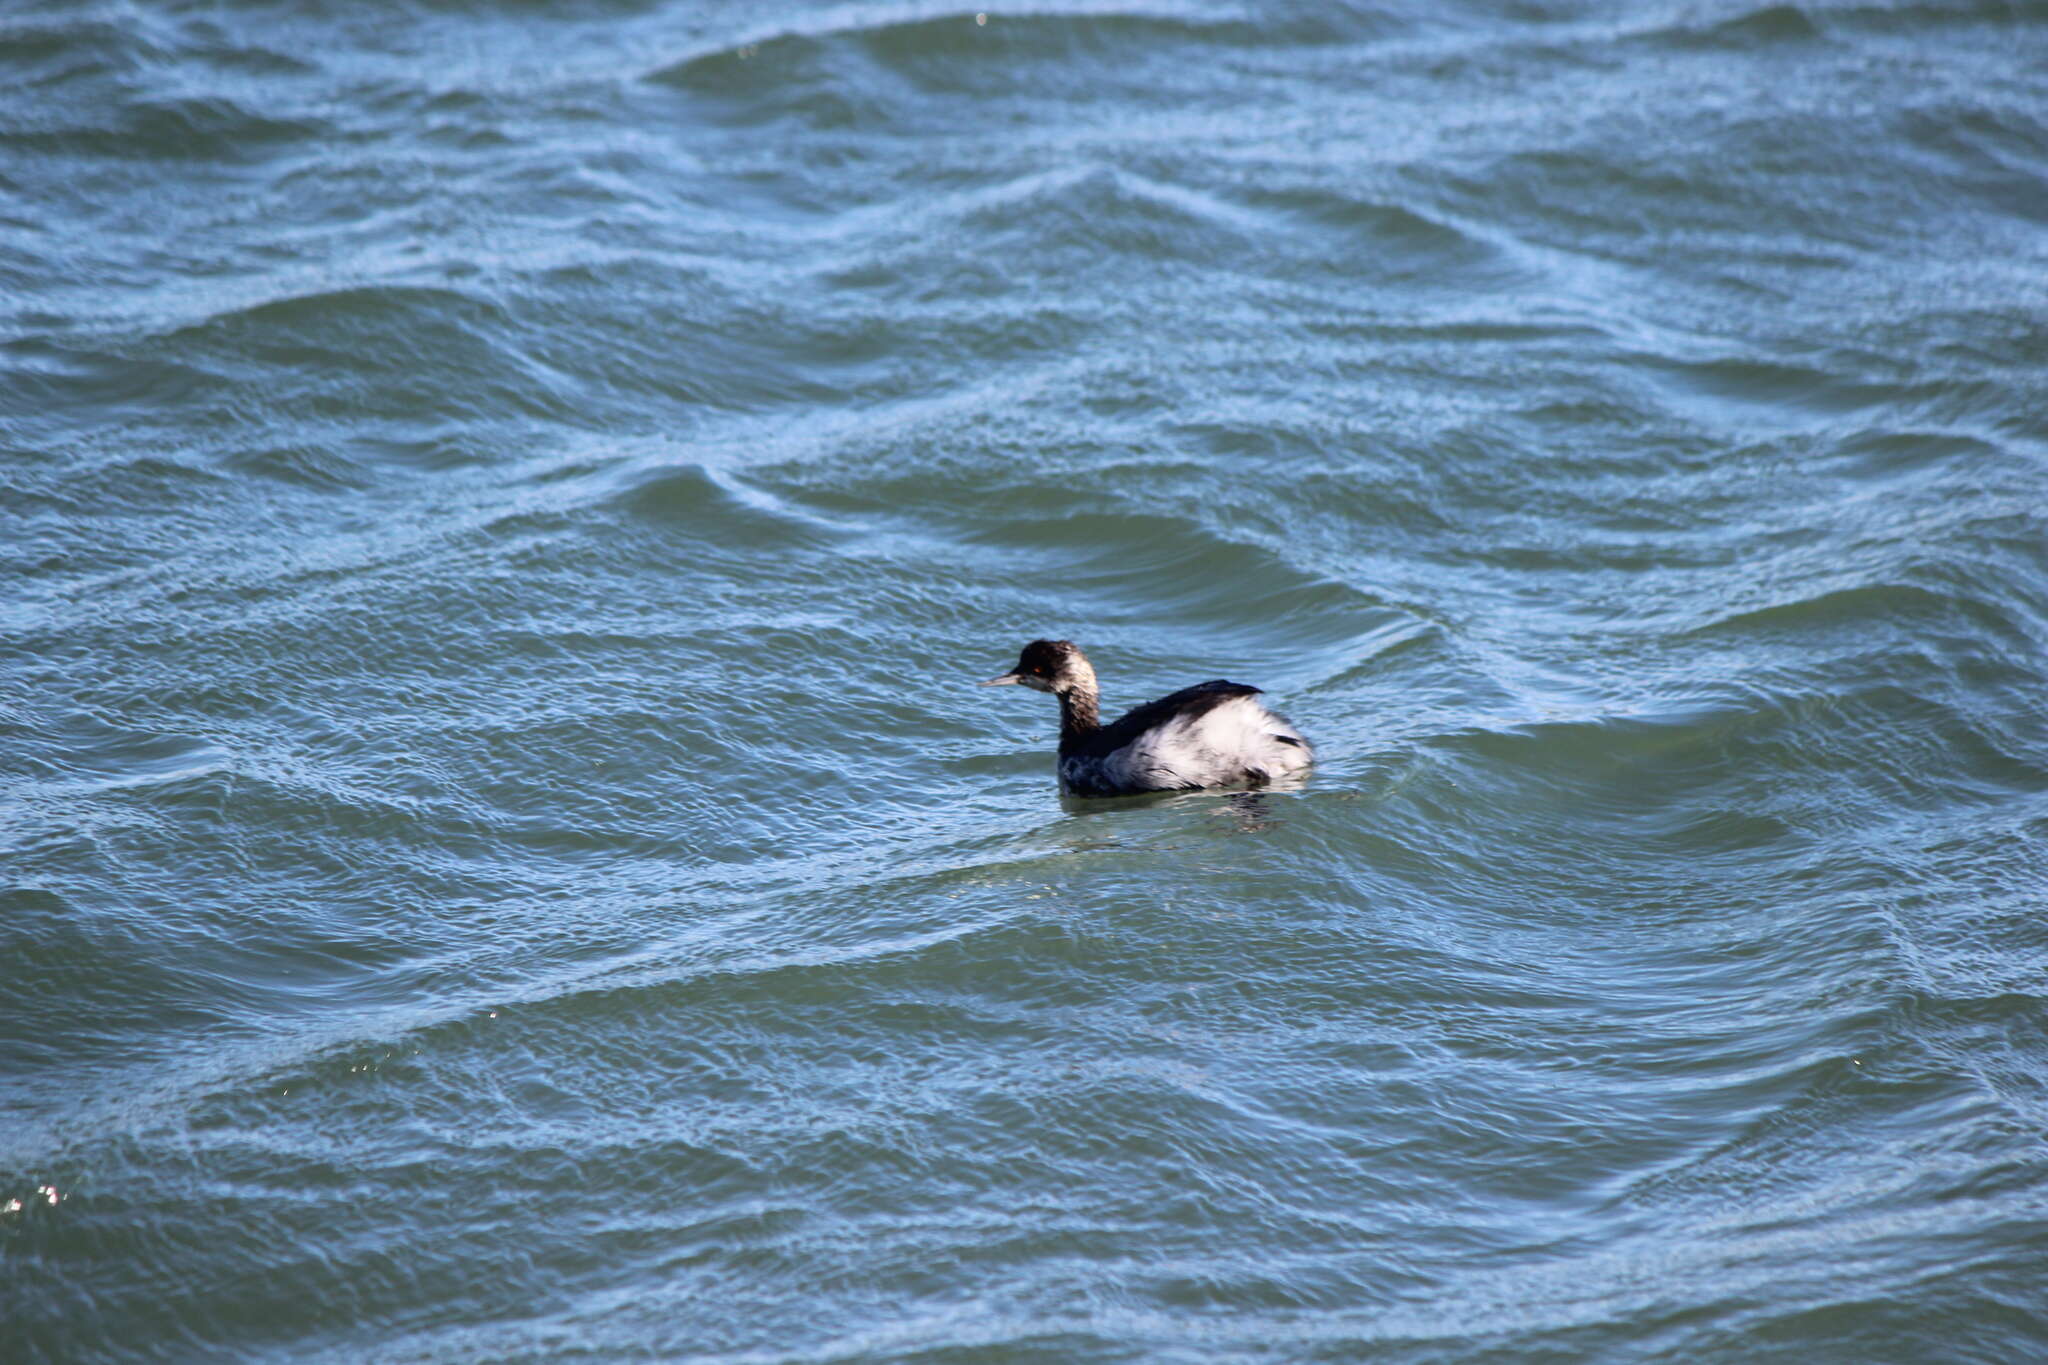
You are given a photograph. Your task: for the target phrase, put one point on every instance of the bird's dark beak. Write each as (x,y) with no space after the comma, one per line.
(1003,681)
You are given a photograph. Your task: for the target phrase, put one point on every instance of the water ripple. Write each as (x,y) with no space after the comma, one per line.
(506,853)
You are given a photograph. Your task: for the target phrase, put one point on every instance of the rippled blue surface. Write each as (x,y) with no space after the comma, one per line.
(503,510)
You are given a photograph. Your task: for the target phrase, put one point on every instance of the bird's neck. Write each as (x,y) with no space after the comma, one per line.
(1079,715)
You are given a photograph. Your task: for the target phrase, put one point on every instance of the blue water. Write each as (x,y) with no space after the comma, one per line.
(503,509)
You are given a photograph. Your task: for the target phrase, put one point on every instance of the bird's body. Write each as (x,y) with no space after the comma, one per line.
(1214,734)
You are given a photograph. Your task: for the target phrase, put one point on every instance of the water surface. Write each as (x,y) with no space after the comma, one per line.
(505,507)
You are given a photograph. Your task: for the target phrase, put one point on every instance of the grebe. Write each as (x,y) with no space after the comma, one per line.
(1210,735)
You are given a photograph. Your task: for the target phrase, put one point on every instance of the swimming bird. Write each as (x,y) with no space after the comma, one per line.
(1214,734)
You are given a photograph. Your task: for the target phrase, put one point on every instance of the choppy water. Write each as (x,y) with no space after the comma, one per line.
(504,507)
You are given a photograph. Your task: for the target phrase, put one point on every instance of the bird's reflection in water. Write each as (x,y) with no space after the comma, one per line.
(1247,812)
(1253,811)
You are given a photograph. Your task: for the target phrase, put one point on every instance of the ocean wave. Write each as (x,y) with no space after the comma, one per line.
(931,47)
(1771,25)
(210,128)
(365,350)
(706,503)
